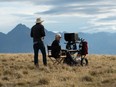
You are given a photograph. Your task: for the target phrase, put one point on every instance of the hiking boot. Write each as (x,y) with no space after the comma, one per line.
(37,65)
(45,64)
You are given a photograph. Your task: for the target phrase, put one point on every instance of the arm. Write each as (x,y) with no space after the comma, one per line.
(42,31)
(56,46)
(31,34)
(55,49)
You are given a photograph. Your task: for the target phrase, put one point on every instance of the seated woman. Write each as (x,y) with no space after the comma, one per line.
(56,51)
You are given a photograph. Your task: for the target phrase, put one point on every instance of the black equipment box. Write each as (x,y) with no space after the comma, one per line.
(71,37)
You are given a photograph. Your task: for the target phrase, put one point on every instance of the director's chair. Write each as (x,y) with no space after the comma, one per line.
(55,60)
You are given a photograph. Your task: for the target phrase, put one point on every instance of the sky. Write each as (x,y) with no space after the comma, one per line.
(60,15)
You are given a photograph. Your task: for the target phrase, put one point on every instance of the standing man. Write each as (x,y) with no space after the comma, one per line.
(38,34)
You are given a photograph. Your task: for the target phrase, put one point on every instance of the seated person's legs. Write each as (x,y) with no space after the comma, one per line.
(69,60)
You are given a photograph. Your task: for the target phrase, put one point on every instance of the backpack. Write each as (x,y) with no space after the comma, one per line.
(84,48)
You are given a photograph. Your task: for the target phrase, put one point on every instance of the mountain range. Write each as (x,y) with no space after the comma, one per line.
(18,40)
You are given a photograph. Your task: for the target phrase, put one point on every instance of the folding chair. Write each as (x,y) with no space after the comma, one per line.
(54,60)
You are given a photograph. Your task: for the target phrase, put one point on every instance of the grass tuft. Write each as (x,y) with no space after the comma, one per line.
(7,72)
(25,72)
(43,81)
(87,78)
(1,84)
(5,78)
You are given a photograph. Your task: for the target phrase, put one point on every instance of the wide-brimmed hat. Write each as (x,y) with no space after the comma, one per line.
(38,20)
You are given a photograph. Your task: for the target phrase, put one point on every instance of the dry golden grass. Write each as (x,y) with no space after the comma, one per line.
(17,70)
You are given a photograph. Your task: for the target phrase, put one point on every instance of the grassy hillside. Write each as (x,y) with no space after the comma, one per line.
(17,70)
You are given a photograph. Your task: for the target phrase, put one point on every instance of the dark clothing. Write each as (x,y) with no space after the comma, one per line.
(69,60)
(56,48)
(37,32)
(36,48)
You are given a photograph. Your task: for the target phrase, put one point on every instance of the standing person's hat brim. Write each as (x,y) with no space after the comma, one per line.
(38,20)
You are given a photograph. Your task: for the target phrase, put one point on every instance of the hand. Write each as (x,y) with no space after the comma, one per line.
(42,38)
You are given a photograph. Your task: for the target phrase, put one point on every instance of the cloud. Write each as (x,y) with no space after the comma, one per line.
(79,9)
(89,10)
(59,7)
(112,18)
(85,15)
(52,1)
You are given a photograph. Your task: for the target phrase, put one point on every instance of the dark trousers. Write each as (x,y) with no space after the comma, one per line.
(39,46)
(69,60)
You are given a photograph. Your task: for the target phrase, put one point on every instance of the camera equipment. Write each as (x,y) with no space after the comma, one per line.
(71,39)
(71,45)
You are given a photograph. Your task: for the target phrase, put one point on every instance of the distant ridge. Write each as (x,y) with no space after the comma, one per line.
(18,40)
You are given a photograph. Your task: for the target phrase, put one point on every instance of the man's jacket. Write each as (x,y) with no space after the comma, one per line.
(56,48)
(37,32)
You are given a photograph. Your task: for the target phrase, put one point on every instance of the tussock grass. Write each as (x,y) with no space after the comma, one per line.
(5,78)
(1,84)
(43,81)
(87,78)
(18,70)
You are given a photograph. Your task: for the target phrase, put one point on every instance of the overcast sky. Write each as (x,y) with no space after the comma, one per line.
(60,15)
